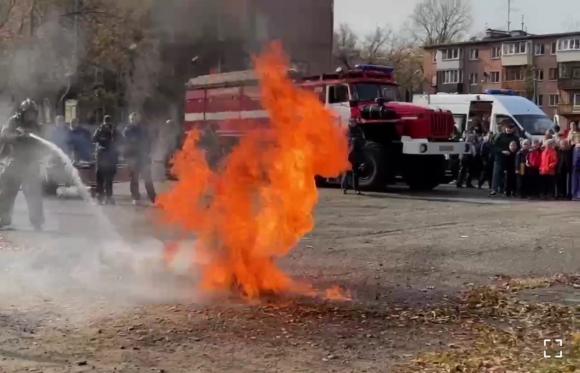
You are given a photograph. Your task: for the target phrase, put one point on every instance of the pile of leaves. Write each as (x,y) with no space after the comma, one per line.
(506,334)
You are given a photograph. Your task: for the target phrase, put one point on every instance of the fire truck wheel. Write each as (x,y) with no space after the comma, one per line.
(373,168)
(424,172)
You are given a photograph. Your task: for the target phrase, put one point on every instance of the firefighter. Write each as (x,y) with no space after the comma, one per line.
(105,139)
(20,158)
(356,140)
(138,156)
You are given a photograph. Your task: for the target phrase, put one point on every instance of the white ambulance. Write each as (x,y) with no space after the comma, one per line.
(489,109)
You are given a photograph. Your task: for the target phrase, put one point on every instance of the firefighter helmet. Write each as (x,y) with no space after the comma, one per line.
(27,106)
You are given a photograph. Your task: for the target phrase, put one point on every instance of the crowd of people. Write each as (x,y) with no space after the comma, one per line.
(520,167)
(105,148)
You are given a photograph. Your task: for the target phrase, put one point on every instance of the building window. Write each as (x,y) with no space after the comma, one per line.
(554,100)
(576,100)
(539,49)
(450,54)
(452,76)
(494,77)
(539,74)
(510,49)
(495,52)
(540,100)
(568,45)
(514,74)
(553,73)
(474,54)
(576,73)
(473,78)
(554,48)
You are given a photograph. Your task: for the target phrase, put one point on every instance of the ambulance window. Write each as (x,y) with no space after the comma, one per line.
(337,94)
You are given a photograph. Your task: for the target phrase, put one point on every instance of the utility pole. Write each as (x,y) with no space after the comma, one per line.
(509,15)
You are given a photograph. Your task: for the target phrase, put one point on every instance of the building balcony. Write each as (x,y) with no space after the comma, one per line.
(517,59)
(515,85)
(443,65)
(563,56)
(569,84)
(567,109)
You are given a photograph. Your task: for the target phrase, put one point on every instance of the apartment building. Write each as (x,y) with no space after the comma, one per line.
(544,68)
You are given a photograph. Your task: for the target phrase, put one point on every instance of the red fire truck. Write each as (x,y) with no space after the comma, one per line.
(401,139)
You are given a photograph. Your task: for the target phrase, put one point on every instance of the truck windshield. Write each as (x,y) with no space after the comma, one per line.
(535,125)
(370,91)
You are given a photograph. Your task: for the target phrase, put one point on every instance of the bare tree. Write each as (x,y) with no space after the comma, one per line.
(346,49)
(441,21)
(375,43)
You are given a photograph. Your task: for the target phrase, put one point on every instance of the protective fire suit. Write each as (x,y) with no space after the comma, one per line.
(20,158)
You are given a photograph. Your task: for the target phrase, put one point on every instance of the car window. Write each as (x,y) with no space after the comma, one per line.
(337,94)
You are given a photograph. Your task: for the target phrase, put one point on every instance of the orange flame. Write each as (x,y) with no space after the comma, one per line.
(260,204)
(337,294)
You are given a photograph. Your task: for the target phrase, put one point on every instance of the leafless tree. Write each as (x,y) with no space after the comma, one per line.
(441,21)
(346,49)
(375,43)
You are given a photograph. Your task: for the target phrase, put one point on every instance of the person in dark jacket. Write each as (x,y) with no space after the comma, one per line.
(106,139)
(510,169)
(564,170)
(80,142)
(522,170)
(486,156)
(356,140)
(501,150)
(138,157)
(20,158)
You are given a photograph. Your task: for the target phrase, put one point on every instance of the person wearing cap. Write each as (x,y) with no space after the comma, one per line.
(501,148)
(105,139)
(20,158)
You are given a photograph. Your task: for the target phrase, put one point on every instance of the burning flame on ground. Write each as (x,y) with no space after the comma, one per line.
(259,205)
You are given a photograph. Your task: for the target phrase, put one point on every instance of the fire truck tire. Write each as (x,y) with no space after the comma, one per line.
(424,173)
(373,168)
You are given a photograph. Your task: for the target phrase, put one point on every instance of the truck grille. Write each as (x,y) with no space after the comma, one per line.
(440,125)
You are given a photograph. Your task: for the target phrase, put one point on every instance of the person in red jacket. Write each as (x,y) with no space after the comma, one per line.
(533,162)
(548,169)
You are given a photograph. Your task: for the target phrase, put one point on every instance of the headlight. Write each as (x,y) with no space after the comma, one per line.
(423,148)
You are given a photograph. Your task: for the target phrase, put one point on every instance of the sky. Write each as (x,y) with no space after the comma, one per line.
(541,16)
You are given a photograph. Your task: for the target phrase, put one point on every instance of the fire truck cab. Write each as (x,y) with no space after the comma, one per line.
(402,139)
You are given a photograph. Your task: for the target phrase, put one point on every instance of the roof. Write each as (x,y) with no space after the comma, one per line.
(224,79)
(501,40)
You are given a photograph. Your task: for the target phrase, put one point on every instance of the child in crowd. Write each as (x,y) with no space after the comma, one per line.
(564,170)
(533,164)
(548,168)
(510,170)
(522,172)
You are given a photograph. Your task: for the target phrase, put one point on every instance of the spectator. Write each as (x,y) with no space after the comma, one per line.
(138,157)
(468,169)
(486,156)
(574,137)
(80,142)
(533,164)
(564,170)
(210,142)
(522,170)
(107,156)
(501,150)
(356,140)
(510,169)
(60,134)
(172,139)
(548,169)
(548,135)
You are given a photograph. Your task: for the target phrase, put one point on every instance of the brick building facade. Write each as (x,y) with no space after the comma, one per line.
(544,68)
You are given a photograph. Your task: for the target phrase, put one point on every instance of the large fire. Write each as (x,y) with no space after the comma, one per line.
(260,203)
